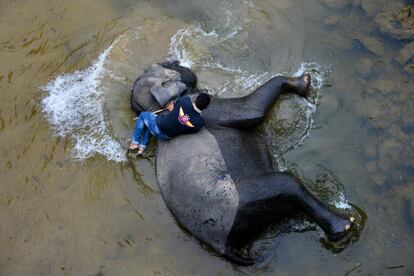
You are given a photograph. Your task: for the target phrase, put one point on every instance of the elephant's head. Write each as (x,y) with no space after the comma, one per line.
(167,77)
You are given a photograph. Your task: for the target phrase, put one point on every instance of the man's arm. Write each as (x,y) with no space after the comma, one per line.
(170,106)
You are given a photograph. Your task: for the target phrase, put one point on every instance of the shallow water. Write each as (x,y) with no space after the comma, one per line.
(71,203)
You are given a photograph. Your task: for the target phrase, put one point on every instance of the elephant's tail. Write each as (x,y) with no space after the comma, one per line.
(236,258)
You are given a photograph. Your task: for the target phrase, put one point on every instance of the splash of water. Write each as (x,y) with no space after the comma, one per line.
(74,108)
(180,45)
(341,202)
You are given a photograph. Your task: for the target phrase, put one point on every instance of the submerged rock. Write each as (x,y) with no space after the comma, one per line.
(379,178)
(371,7)
(405,54)
(374,7)
(385,86)
(332,20)
(373,44)
(409,68)
(364,67)
(399,25)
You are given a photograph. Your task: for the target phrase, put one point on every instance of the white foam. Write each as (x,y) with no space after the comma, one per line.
(74,108)
(179,41)
(341,202)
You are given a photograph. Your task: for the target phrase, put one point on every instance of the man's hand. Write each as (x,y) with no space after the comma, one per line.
(170,106)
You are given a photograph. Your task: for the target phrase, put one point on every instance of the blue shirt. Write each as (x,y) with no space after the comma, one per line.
(182,119)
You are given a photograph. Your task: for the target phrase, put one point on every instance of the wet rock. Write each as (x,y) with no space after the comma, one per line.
(409,68)
(405,54)
(379,178)
(373,44)
(371,167)
(399,25)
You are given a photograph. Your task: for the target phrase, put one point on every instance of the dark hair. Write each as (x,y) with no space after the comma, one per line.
(202,101)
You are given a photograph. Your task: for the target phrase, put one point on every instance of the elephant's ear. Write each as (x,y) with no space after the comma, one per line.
(186,75)
(159,84)
(167,91)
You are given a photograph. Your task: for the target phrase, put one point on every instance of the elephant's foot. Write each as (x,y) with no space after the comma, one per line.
(340,229)
(302,84)
(236,257)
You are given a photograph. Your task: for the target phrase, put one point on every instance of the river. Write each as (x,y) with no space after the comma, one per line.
(72,203)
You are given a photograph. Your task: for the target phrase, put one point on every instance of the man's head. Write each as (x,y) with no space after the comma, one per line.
(202,101)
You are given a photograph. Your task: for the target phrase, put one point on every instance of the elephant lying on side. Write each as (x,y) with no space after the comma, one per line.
(220,183)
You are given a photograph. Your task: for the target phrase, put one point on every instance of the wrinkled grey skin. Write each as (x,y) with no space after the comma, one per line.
(198,187)
(220,183)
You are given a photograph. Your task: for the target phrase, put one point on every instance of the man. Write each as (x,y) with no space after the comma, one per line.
(184,117)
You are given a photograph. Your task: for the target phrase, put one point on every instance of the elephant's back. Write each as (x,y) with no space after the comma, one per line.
(197,187)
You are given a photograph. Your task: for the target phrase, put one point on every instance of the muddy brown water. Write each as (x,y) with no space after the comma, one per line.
(62,214)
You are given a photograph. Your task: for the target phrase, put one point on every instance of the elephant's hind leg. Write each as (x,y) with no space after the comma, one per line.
(273,197)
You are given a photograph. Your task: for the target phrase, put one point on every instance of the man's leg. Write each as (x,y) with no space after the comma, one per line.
(139,126)
(149,124)
(139,130)
(145,138)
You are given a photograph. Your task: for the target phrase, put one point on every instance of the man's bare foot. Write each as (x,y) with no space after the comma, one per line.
(135,150)
(306,85)
(133,147)
(307,80)
(141,151)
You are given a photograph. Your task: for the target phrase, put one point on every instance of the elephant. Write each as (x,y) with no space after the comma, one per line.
(220,183)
